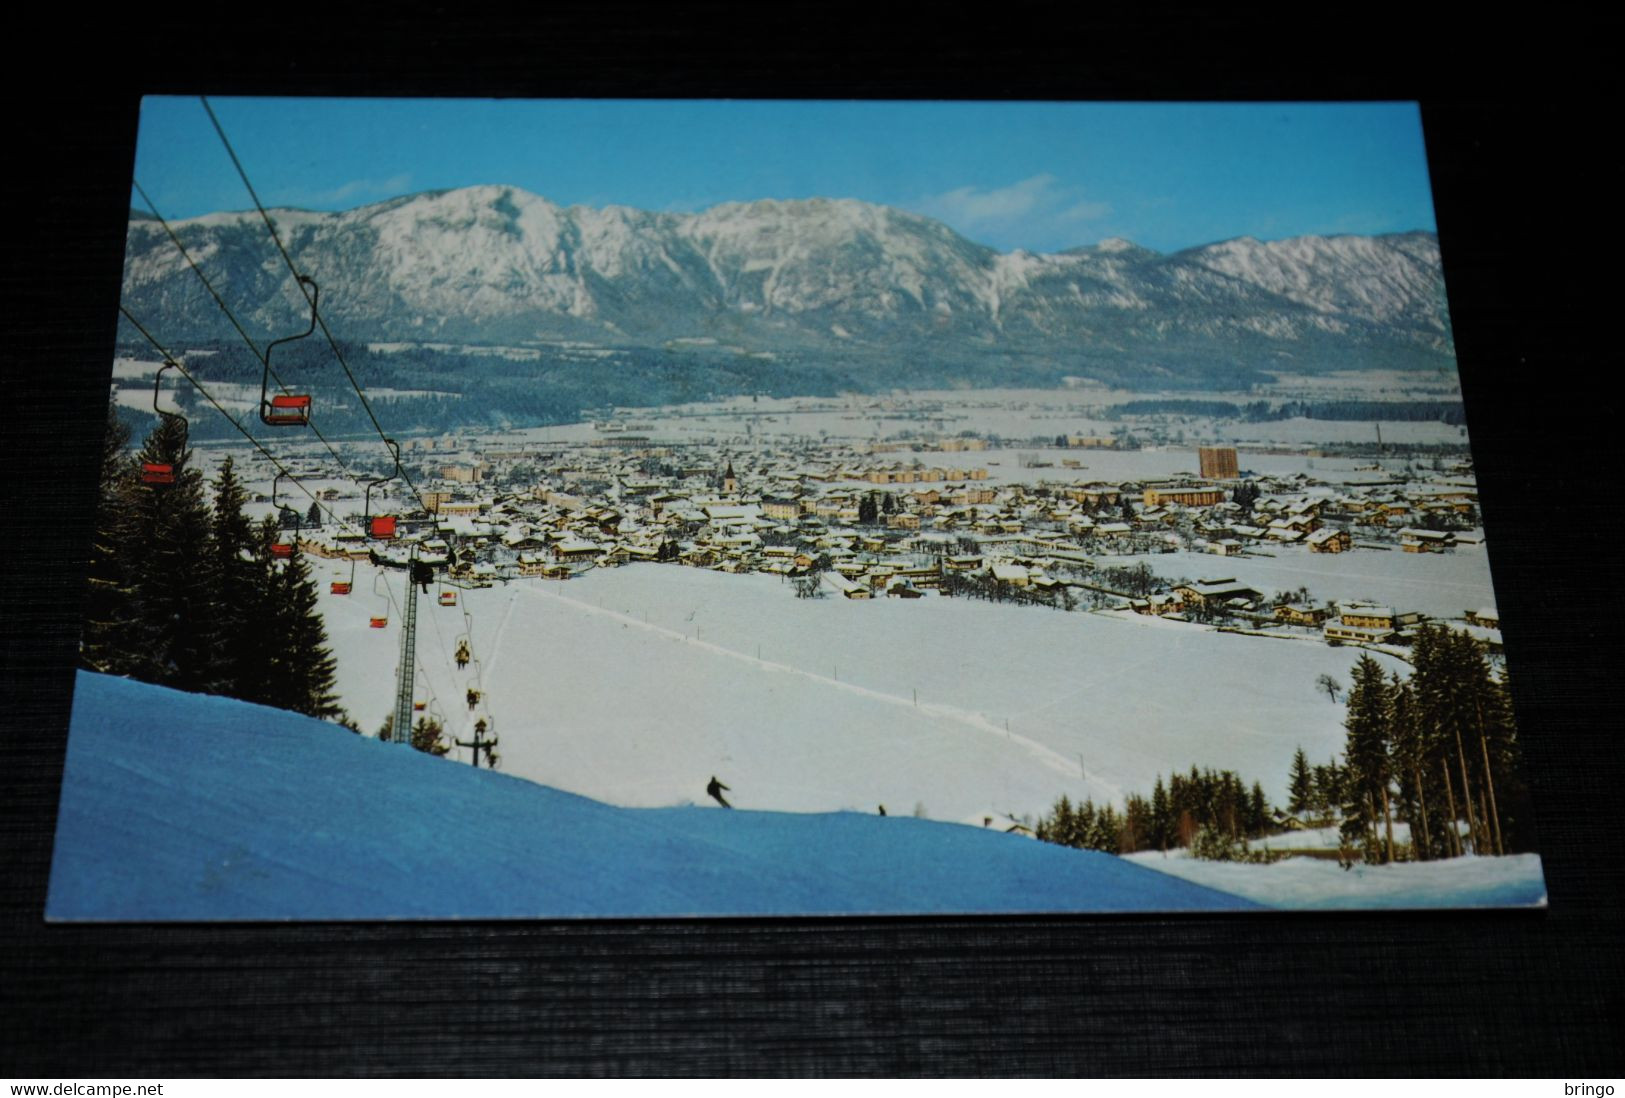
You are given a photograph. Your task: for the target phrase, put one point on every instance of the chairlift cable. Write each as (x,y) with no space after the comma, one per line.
(171,360)
(261,356)
(277,240)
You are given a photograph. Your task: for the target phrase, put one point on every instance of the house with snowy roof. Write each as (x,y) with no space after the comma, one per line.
(851,588)
(1211,592)
(1013,574)
(1413,540)
(1329,540)
(1297,613)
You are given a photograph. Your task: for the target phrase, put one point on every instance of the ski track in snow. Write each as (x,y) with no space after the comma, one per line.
(502,629)
(976,721)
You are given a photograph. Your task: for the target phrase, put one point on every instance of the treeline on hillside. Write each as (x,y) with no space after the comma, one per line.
(1439,751)
(1262,411)
(1213,812)
(465,388)
(190,596)
(983,585)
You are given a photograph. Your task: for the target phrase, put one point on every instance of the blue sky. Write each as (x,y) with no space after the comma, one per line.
(1041,176)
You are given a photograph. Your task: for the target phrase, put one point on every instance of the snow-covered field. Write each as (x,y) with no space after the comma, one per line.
(1441,585)
(1036,413)
(1514,881)
(1004,466)
(635,685)
(179,806)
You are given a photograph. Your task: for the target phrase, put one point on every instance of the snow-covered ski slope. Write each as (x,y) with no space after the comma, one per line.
(180,806)
(1311,883)
(634,685)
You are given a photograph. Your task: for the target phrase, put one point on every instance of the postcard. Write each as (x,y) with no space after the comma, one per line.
(601,509)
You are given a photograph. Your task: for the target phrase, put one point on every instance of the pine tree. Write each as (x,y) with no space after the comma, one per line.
(1300,787)
(242,600)
(1258,812)
(175,639)
(1366,756)
(1162,817)
(1105,831)
(1415,780)
(1465,720)
(428,736)
(302,669)
(1505,762)
(109,610)
(1136,824)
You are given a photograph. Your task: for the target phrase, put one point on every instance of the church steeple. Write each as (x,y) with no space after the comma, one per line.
(730,483)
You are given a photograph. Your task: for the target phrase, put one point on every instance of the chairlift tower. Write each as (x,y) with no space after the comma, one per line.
(409,655)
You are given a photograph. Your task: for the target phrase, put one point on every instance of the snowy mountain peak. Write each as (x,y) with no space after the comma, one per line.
(1116,244)
(497,264)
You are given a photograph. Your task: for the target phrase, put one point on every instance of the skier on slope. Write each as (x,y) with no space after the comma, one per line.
(715,789)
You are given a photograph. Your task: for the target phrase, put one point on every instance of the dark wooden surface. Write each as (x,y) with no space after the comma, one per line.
(1527,187)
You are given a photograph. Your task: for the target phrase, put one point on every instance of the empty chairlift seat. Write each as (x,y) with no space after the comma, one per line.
(286,410)
(383,526)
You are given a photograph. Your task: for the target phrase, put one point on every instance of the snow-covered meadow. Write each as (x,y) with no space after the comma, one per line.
(1313,883)
(635,685)
(1441,585)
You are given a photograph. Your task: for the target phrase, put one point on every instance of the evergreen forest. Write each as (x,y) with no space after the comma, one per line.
(187,592)
(1436,751)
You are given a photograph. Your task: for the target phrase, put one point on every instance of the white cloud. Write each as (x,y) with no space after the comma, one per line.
(1034,213)
(355,191)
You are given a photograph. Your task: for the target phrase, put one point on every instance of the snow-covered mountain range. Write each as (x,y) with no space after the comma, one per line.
(819,277)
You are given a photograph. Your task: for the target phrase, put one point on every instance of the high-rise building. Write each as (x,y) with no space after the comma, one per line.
(1219,462)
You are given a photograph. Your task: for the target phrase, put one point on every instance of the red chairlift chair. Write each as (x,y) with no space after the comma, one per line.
(287,409)
(343,587)
(162,472)
(380,621)
(382,526)
(153,472)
